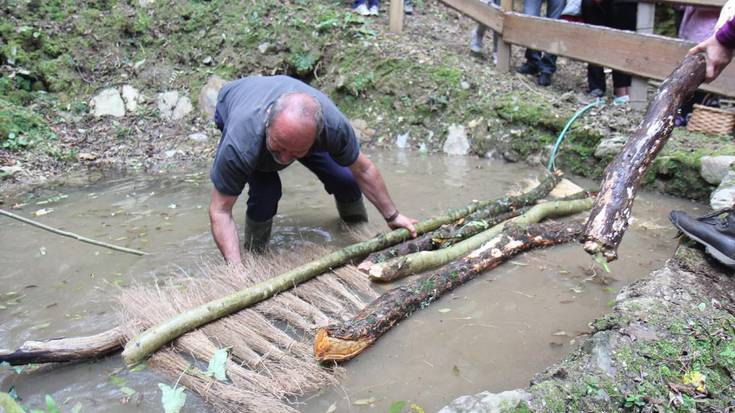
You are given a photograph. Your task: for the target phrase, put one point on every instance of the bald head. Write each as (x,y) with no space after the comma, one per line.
(294,122)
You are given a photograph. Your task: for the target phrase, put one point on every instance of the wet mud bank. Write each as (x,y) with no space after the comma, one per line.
(667,345)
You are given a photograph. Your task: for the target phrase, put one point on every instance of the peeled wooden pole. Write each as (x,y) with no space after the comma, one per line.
(346,340)
(140,347)
(611,212)
(494,208)
(65,349)
(426,260)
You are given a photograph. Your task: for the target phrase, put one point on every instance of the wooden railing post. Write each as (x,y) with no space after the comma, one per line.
(503,53)
(644,24)
(395,17)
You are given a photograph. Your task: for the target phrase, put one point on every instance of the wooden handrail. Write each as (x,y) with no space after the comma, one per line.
(644,55)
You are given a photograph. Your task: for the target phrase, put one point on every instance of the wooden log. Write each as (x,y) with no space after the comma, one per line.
(426,260)
(612,208)
(59,350)
(150,340)
(493,208)
(346,340)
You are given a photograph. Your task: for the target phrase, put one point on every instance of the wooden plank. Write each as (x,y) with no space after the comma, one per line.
(395,18)
(488,14)
(644,55)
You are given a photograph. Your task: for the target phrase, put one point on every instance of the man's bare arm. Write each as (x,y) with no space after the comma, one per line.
(224,230)
(372,185)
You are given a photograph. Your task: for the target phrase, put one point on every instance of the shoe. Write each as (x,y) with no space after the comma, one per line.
(476,43)
(408,7)
(362,10)
(544,79)
(621,100)
(374,10)
(715,232)
(527,69)
(596,93)
(257,235)
(352,212)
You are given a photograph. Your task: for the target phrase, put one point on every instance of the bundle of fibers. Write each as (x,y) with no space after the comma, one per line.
(271,362)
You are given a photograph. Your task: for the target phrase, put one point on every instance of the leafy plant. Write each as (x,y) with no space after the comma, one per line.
(634,401)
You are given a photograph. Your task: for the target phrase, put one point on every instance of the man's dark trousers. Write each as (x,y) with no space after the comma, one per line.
(265,187)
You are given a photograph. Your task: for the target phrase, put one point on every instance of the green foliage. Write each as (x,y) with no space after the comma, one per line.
(303,62)
(218,364)
(172,398)
(21,128)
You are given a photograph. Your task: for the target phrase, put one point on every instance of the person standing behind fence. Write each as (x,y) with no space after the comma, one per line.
(617,14)
(477,36)
(537,63)
(719,47)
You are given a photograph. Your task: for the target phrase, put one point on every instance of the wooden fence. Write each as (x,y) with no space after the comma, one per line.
(641,53)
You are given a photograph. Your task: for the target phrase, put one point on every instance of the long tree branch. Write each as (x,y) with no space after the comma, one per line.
(70,234)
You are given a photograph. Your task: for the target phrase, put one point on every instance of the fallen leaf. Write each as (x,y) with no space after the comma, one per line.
(42,212)
(172,399)
(332,408)
(560,333)
(444,310)
(364,402)
(218,364)
(397,407)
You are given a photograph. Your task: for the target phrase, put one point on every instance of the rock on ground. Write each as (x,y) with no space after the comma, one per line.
(714,168)
(610,147)
(487,402)
(199,137)
(131,96)
(208,96)
(457,142)
(108,103)
(724,195)
(172,106)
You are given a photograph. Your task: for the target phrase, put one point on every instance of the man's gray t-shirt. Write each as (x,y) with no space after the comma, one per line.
(242,106)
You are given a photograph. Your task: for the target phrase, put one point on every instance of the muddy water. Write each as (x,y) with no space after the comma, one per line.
(492,334)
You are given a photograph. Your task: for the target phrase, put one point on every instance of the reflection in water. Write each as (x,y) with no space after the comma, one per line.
(492,334)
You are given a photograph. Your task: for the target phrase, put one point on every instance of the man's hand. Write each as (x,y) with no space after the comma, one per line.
(718,56)
(402,221)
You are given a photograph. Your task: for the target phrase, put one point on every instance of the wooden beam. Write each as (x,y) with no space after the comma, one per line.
(644,55)
(504,51)
(395,18)
(488,14)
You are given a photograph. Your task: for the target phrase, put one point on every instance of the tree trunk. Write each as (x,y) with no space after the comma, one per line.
(346,340)
(426,260)
(610,214)
(66,349)
(493,208)
(155,337)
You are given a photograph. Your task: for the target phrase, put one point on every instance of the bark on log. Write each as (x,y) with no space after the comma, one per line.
(493,208)
(157,336)
(426,260)
(346,340)
(610,214)
(66,349)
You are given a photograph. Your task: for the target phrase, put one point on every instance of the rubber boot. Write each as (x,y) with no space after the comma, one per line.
(352,212)
(257,235)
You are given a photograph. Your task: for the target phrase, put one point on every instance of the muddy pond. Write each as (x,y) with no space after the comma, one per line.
(492,334)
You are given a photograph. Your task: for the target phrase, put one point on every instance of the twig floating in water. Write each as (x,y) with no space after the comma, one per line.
(70,234)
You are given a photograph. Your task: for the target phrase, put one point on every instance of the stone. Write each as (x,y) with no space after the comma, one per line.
(402,140)
(199,137)
(131,96)
(108,103)
(714,168)
(172,106)
(610,146)
(359,126)
(457,142)
(724,195)
(264,48)
(487,402)
(145,3)
(207,60)
(208,96)
(602,352)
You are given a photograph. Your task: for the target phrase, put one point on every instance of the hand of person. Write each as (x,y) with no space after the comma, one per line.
(718,56)
(402,221)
